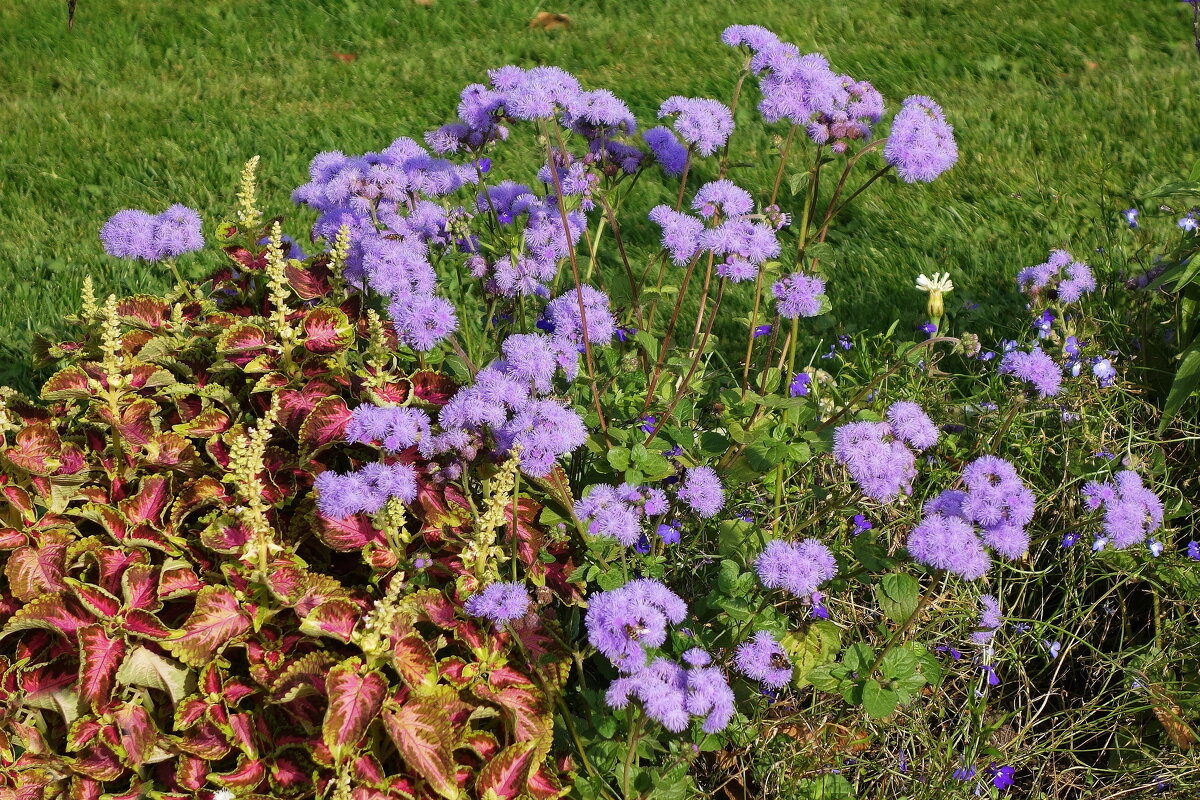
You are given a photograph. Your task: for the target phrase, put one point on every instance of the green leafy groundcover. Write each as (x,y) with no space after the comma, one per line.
(178,616)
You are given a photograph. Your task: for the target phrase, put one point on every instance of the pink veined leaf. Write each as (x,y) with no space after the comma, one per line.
(139,622)
(248,774)
(99,762)
(217,618)
(195,495)
(38,570)
(151,500)
(138,732)
(411,655)
(100,656)
(96,600)
(334,618)
(70,383)
(208,423)
(287,775)
(48,612)
(327,330)
(145,310)
(136,424)
(422,735)
(139,586)
(20,500)
(432,387)
(225,534)
(191,772)
(355,698)
(324,425)
(242,338)
(177,579)
(507,773)
(351,533)
(36,450)
(544,785)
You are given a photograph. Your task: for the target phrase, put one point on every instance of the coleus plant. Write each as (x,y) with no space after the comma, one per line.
(179,619)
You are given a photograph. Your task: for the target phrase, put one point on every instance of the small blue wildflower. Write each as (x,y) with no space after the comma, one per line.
(1052,647)
(1070,539)
(648,423)
(624,334)
(986,355)
(673,452)
(484,164)
(844,342)
(669,533)
(992,678)
(929,329)
(1105,372)
(1189,222)
(1105,454)
(902,761)
(963,773)
(1002,777)
(950,651)
(1072,347)
(1193,550)
(762,330)
(642,545)
(1098,544)
(1131,217)
(819,611)
(861,524)
(1044,324)
(1155,547)
(800,384)
(746,516)
(970,306)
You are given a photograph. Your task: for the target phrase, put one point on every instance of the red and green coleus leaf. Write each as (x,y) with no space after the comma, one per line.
(304,676)
(208,423)
(99,602)
(137,423)
(334,618)
(225,534)
(326,330)
(425,740)
(194,495)
(147,505)
(324,425)
(351,533)
(100,656)
(36,450)
(70,383)
(506,775)
(411,655)
(146,668)
(138,733)
(38,569)
(356,696)
(433,388)
(52,612)
(309,281)
(217,619)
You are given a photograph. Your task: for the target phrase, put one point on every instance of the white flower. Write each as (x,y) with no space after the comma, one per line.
(940,282)
(223,794)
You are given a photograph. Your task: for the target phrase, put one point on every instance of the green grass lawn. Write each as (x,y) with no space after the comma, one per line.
(1064,110)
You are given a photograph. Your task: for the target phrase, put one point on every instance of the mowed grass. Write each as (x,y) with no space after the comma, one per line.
(1064,110)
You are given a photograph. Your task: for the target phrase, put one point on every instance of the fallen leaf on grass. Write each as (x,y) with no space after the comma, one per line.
(550,22)
(345,58)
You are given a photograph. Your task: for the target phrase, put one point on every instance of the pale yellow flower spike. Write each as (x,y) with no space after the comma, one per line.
(88,295)
(482,555)
(247,210)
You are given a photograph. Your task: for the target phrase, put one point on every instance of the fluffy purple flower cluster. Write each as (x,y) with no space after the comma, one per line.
(701,491)
(1061,276)
(152,237)
(394,428)
(672,694)
(367,489)
(1035,368)
(833,109)
(1131,511)
(880,455)
(921,145)
(763,659)
(499,602)
(620,512)
(538,226)
(703,123)
(799,568)
(622,624)
(996,500)
(798,295)
(989,619)
(738,239)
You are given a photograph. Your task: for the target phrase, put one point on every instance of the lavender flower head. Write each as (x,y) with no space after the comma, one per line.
(763,659)
(624,623)
(563,314)
(177,231)
(911,425)
(1060,275)
(668,152)
(138,234)
(681,232)
(661,687)
(702,492)
(708,695)
(723,197)
(921,145)
(368,489)
(989,620)
(422,320)
(798,295)
(499,602)
(799,568)
(1131,511)
(703,123)
(882,467)
(1035,368)
(394,428)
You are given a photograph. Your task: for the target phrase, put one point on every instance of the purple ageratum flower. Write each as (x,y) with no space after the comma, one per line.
(703,123)
(911,425)
(1130,215)
(342,495)
(921,145)
(537,93)
(949,543)
(393,427)
(624,623)
(534,359)
(798,295)
(1035,368)
(499,602)
(800,385)
(1131,511)
(544,430)
(799,568)
(1077,282)
(397,267)
(681,233)
(563,312)
(723,197)
(709,696)
(702,492)
(755,37)
(177,231)
(618,512)
(763,659)
(668,152)
(882,467)
(422,320)
(744,244)
(130,234)
(661,687)
(989,620)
